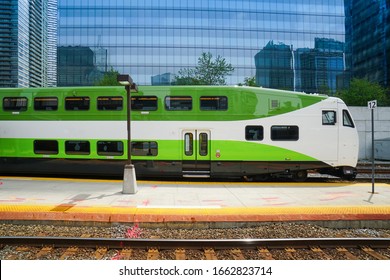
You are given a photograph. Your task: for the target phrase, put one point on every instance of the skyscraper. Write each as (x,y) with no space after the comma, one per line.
(149,38)
(28,43)
(274,66)
(368,39)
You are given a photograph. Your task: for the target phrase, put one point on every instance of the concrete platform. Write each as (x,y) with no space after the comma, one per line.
(102,201)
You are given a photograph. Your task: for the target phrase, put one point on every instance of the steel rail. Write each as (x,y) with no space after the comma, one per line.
(161,244)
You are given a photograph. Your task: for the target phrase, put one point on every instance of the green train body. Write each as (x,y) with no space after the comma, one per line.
(194,131)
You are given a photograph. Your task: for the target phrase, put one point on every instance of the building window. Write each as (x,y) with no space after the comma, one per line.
(45,104)
(328,117)
(284,133)
(110,148)
(347,119)
(77,103)
(110,103)
(213,103)
(254,133)
(77,147)
(46,147)
(15,104)
(144,148)
(178,103)
(144,103)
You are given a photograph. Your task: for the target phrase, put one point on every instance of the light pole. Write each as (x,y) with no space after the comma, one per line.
(129,178)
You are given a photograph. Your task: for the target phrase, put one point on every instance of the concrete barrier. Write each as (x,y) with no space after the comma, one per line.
(362,118)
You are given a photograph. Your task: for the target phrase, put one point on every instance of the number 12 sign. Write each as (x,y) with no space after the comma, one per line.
(372,104)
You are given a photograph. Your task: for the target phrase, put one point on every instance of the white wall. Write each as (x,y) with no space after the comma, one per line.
(362,118)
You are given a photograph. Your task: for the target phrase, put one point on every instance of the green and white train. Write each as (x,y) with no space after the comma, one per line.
(189,131)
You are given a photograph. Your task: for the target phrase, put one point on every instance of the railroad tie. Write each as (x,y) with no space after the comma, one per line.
(210,254)
(264,252)
(125,254)
(320,252)
(180,254)
(374,254)
(348,254)
(153,254)
(100,252)
(69,252)
(14,256)
(44,251)
(237,254)
(290,252)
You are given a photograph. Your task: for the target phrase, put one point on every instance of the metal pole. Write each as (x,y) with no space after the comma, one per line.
(128,124)
(372,152)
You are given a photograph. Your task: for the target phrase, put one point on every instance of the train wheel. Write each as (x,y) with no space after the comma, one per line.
(300,176)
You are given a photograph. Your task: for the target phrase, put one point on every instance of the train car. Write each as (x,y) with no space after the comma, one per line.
(185,131)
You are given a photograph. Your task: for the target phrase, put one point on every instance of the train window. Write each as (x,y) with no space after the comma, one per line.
(77,148)
(254,133)
(213,103)
(203,144)
(46,147)
(284,133)
(15,104)
(110,148)
(144,103)
(347,119)
(45,103)
(144,148)
(188,144)
(77,103)
(328,117)
(178,103)
(110,103)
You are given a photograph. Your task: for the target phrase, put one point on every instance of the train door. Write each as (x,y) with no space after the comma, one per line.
(329,133)
(348,138)
(196,153)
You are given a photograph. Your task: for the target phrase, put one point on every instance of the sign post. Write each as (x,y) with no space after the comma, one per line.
(372,105)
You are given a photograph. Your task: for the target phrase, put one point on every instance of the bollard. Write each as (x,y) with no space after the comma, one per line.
(129,180)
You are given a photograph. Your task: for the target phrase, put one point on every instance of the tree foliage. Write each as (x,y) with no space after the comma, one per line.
(361,91)
(109,79)
(249,82)
(209,71)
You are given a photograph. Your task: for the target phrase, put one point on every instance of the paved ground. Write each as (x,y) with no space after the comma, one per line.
(32,199)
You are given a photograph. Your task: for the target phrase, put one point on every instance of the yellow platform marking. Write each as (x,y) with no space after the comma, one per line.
(228,211)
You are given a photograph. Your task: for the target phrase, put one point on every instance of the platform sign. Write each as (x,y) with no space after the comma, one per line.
(372,105)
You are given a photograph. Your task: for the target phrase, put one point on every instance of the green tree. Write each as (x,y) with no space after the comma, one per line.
(109,79)
(361,91)
(209,71)
(249,82)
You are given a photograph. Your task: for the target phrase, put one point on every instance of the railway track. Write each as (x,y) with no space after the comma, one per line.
(196,249)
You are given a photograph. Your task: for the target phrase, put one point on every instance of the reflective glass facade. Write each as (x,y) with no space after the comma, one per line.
(28,43)
(284,43)
(14,40)
(368,39)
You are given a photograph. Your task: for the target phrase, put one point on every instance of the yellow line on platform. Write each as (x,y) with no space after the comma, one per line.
(229,211)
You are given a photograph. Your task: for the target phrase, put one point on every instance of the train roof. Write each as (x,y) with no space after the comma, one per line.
(149,89)
(238,102)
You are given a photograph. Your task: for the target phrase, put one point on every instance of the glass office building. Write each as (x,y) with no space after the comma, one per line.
(368,39)
(275,41)
(28,43)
